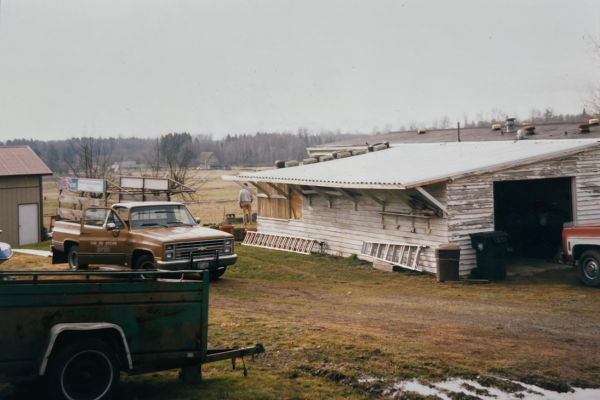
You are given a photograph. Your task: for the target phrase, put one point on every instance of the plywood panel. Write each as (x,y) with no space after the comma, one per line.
(274,207)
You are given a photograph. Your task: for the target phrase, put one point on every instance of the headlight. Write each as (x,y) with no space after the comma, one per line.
(169,256)
(169,247)
(228,247)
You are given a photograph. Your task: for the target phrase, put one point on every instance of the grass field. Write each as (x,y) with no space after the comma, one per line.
(327,322)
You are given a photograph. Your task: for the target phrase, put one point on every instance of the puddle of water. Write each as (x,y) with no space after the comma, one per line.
(456,385)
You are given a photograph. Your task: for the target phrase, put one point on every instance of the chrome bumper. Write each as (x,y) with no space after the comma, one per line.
(175,265)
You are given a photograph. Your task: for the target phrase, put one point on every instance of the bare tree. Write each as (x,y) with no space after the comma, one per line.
(480,118)
(177,153)
(535,115)
(465,116)
(445,122)
(592,100)
(152,158)
(89,157)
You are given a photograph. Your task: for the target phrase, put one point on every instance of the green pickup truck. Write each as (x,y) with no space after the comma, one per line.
(80,333)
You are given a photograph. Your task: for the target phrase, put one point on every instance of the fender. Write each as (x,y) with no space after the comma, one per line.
(88,326)
(571,242)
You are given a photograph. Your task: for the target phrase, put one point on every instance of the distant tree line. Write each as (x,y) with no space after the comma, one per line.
(498,116)
(175,152)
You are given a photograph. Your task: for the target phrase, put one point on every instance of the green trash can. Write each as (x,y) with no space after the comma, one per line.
(490,249)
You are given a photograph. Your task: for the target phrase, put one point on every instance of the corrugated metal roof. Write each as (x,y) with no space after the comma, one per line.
(549,131)
(21,160)
(409,165)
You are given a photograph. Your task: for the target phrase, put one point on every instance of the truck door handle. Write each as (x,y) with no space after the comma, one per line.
(84,233)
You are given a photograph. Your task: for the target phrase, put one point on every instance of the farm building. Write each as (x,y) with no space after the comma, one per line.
(427,194)
(21,198)
(208,160)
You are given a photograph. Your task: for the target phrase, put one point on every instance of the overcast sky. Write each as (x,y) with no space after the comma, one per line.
(149,67)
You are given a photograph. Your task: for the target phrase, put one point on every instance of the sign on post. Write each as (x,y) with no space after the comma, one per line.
(83,185)
(145,183)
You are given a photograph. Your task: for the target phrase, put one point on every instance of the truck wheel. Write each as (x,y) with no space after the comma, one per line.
(145,262)
(214,275)
(589,268)
(85,370)
(73,258)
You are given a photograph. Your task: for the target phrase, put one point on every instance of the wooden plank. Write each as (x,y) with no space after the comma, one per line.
(431,199)
(346,195)
(81,200)
(260,189)
(65,212)
(298,190)
(374,198)
(278,190)
(322,194)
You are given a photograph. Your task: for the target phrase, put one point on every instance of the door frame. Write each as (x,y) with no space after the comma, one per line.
(19,222)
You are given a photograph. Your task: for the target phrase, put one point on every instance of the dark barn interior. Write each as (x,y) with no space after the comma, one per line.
(532,212)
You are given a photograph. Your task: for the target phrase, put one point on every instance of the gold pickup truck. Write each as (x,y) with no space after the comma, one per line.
(150,235)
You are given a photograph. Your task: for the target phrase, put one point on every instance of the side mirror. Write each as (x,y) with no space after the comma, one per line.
(111,226)
(197,220)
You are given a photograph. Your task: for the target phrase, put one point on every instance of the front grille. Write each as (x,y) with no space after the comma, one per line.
(183,250)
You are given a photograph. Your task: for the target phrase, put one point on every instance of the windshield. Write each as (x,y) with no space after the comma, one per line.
(163,215)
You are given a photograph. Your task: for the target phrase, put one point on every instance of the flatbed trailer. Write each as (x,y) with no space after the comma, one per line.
(79,333)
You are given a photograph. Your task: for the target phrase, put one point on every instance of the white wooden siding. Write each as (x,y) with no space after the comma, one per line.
(471,200)
(470,204)
(343,229)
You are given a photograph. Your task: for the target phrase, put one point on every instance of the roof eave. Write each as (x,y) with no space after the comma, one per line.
(341,185)
(36,174)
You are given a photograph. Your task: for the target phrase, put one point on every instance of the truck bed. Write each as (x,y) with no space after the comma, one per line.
(163,322)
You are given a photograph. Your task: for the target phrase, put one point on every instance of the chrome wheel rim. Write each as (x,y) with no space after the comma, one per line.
(73,260)
(146,265)
(88,375)
(591,269)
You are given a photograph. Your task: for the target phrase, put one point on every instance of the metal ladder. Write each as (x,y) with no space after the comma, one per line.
(279,242)
(401,254)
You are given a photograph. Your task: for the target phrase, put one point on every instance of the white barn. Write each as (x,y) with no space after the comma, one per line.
(433,193)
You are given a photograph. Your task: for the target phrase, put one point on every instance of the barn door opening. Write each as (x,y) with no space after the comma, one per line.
(532,212)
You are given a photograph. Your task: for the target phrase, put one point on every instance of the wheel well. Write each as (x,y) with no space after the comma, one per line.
(68,245)
(110,336)
(137,254)
(582,248)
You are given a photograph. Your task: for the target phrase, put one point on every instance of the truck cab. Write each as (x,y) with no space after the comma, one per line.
(148,235)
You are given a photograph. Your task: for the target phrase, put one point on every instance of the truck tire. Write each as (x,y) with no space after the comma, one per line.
(73,259)
(85,370)
(589,268)
(145,262)
(214,275)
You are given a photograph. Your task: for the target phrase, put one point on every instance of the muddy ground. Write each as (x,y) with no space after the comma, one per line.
(330,322)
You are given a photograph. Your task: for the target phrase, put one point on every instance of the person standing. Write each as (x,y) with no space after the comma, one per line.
(245,198)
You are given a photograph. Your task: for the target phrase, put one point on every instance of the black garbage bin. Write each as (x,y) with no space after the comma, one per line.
(447,257)
(490,248)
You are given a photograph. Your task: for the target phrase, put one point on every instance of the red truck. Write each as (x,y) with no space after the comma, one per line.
(581,245)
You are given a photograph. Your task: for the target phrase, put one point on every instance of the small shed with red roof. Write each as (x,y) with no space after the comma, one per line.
(21,195)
